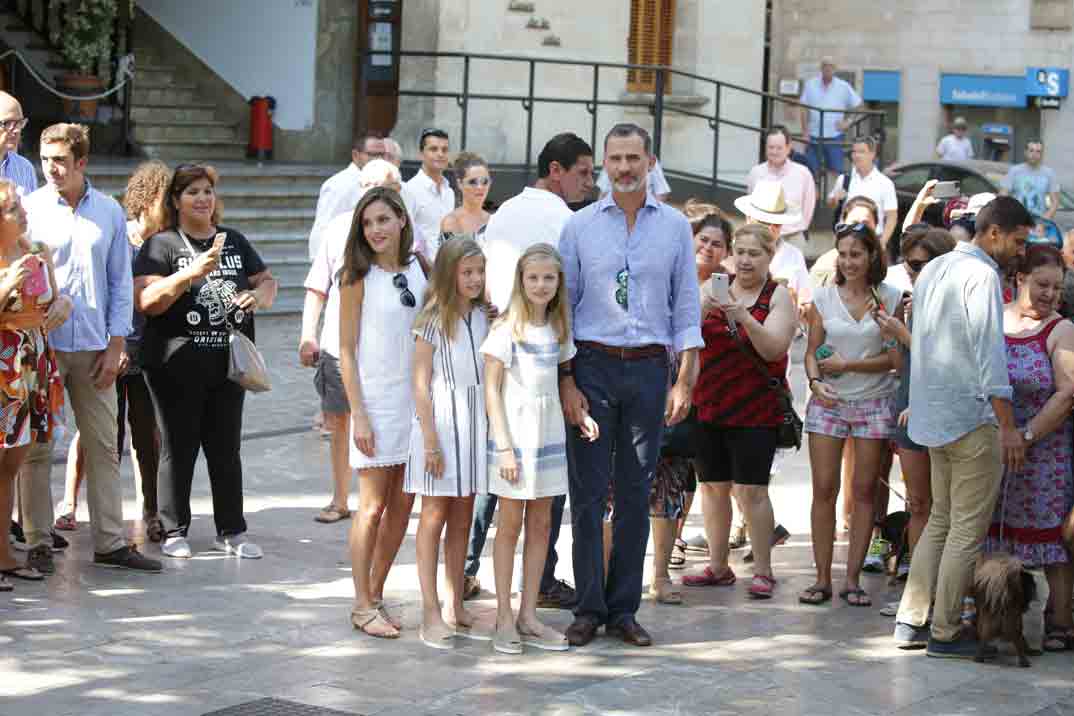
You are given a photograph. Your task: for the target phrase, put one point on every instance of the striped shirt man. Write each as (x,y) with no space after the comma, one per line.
(19,170)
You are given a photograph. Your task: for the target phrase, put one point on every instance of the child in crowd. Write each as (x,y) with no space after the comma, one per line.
(449,439)
(528,464)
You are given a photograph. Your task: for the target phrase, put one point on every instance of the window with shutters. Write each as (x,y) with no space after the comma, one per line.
(652,27)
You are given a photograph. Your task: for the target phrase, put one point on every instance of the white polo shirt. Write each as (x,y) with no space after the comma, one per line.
(339,195)
(532,217)
(431,203)
(875,186)
(789,264)
(952,148)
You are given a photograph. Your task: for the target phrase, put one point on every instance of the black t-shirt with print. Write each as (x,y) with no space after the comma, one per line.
(201,314)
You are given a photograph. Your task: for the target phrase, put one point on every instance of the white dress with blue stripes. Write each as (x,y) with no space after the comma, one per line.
(534,416)
(458,390)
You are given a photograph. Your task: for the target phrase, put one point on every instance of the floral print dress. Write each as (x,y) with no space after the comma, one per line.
(1033,503)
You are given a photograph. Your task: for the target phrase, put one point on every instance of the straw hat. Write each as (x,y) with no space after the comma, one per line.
(768,204)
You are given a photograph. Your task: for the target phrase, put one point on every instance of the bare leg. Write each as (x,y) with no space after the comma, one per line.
(73,476)
(663,542)
(339,446)
(459,517)
(688,502)
(761,522)
(365,527)
(534,552)
(10,462)
(392,530)
(869,454)
(847,480)
(508,528)
(434,512)
(824,456)
(716,507)
(1060,582)
(917,469)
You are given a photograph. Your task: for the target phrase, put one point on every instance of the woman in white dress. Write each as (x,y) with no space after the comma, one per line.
(449,438)
(528,464)
(380,281)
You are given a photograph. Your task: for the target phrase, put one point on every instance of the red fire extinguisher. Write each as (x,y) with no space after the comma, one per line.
(261,109)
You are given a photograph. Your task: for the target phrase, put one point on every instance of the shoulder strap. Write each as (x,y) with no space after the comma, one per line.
(846,181)
(776,384)
(764,299)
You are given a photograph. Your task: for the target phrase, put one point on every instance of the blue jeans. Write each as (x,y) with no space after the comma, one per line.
(627,400)
(833,154)
(484,508)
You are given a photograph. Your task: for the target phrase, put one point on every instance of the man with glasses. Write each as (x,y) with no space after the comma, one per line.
(628,262)
(429,190)
(13,166)
(537,215)
(339,193)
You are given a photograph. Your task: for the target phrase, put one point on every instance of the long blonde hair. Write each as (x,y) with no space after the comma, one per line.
(440,306)
(520,311)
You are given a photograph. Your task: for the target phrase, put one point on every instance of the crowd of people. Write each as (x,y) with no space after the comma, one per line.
(619,351)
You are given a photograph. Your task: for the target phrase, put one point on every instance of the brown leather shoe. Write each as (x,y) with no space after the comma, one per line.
(581,632)
(630,632)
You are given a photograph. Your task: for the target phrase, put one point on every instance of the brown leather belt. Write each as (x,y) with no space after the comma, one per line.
(652,350)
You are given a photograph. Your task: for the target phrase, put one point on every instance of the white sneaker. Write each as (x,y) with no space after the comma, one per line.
(176,547)
(239,546)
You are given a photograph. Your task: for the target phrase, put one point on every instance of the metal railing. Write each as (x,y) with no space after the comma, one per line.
(860,121)
(46,20)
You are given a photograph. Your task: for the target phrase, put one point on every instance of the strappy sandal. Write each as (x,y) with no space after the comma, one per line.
(154,529)
(815,595)
(28,573)
(331,513)
(861,597)
(66,522)
(677,560)
(665,592)
(388,616)
(708,578)
(362,619)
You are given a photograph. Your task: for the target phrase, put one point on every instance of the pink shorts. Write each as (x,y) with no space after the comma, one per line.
(868,419)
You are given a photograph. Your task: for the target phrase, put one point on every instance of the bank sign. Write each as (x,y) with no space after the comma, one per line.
(1003,90)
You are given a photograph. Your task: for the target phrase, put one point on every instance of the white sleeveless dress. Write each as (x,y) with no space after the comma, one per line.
(385,352)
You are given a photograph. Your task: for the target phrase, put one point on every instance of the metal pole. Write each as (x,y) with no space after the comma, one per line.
(465,97)
(716,141)
(529,120)
(596,98)
(658,111)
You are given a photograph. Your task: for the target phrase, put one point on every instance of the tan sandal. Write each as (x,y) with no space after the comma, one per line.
(372,622)
(388,616)
(664,591)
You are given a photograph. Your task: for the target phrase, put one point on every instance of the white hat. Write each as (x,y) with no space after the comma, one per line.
(768,205)
(976,203)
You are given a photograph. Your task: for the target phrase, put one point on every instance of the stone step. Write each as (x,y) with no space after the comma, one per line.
(270,221)
(193,112)
(186,149)
(149,132)
(154,74)
(289,272)
(109,171)
(241,195)
(165,94)
(279,247)
(289,302)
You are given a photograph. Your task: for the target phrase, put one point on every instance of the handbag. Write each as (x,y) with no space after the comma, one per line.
(790,428)
(246,365)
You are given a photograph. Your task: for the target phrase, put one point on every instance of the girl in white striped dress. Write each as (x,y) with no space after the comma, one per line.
(449,438)
(528,464)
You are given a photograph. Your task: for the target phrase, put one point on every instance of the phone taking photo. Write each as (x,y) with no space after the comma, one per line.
(946,190)
(720,287)
(218,240)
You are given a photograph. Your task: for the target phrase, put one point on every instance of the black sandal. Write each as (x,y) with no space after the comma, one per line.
(677,560)
(861,597)
(825,594)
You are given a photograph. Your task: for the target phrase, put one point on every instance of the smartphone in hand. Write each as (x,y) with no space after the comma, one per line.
(218,241)
(719,287)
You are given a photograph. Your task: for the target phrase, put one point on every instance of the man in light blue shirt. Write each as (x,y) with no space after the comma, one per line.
(88,324)
(835,96)
(960,408)
(13,166)
(628,262)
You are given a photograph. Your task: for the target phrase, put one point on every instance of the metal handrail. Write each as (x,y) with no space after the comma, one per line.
(657,106)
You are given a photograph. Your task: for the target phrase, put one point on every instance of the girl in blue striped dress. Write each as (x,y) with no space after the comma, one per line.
(528,458)
(448,443)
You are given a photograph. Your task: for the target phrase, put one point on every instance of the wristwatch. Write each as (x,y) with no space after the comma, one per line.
(1028,435)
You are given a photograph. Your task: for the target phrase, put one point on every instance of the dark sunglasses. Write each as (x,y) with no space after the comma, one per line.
(842,230)
(478,181)
(915,266)
(621,280)
(405,297)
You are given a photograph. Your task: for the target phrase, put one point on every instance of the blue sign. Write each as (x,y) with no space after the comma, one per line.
(1047,82)
(881,85)
(983,90)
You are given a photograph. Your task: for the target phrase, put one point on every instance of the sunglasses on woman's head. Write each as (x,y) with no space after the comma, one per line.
(842,230)
(405,296)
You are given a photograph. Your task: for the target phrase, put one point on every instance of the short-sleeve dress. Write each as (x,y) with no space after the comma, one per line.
(534,416)
(458,391)
(385,353)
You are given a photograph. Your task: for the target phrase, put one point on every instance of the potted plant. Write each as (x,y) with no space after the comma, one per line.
(86,44)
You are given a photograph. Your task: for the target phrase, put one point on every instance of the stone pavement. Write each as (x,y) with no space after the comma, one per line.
(212,633)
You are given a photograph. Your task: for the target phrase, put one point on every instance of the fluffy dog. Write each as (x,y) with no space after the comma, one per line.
(1002,590)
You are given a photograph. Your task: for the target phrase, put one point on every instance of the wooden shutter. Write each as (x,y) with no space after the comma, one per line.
(652,29)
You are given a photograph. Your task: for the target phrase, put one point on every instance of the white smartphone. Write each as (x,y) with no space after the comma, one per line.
(219,239)
(719,287)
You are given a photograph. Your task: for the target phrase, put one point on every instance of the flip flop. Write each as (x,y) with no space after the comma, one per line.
(862,598)
(331,514)
(28,573)
(677,560)
(825,594)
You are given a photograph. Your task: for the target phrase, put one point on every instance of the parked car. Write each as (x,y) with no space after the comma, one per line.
(975,176)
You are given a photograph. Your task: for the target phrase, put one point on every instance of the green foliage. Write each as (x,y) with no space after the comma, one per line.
(86,39)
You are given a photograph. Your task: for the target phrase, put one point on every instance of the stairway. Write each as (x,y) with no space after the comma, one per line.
(273,205)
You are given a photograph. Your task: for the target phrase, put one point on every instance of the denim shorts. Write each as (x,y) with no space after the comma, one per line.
(868,419)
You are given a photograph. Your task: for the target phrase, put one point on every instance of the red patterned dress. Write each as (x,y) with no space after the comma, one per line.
(31,390)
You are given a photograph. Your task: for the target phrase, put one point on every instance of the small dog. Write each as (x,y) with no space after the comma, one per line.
(1002,590)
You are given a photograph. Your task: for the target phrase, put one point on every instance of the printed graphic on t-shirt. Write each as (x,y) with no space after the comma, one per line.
(214,301)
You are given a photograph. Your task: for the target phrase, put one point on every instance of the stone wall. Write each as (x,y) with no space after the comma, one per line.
(922,39)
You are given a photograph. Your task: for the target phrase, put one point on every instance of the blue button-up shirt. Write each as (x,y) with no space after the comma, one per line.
(93,264)
(958,356)
(18,169)
(663,298)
